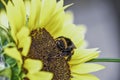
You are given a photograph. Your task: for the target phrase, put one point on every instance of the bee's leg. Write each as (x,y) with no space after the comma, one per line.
(69,56)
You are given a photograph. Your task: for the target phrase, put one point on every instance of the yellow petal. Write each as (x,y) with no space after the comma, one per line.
(83,55)
(19,4)
(13,34)
(14,16)
(11,17)
(47,10)
(3,19)
(10,14)
(14,53)
(68,18)
(60,4)
(56,24)
(33,65)
(24,40)
(27,6)
(84,77)
(80,53)
(40,76)
(16,22)
(23,33)
(86,68)
(34,14)
(26,46)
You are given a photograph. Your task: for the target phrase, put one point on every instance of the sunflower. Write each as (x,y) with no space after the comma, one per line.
(32,54)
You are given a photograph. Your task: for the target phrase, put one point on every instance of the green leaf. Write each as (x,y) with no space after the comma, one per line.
(15,69)
(12,62)
(15,73)
(5,37)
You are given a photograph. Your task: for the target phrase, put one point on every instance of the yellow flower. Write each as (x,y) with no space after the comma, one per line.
(29,15)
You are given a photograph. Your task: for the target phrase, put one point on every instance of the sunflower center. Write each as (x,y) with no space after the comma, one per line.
(44,48)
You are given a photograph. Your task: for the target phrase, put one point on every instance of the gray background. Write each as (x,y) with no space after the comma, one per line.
(101,19)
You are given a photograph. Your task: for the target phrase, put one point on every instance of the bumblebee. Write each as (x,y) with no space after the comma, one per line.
(66,46)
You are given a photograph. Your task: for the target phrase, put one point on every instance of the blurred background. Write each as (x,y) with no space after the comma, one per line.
(102,18)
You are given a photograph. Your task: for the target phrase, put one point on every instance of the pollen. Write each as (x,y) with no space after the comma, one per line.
(44,48)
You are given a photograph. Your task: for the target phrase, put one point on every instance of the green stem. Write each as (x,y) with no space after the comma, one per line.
(105,60)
